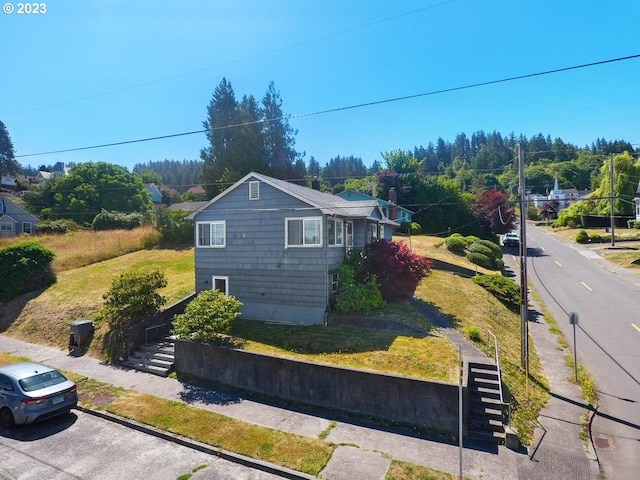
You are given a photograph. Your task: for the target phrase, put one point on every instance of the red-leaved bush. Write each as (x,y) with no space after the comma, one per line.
(397,269)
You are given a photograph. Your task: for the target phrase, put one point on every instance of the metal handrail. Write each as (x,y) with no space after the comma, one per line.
(146,332)
(495,344)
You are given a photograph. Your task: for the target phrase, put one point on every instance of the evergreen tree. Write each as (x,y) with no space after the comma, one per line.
(222,114)
(279,137)
(8,163)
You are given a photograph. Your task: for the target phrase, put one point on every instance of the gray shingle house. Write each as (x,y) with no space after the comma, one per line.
(275,246)
(15,220)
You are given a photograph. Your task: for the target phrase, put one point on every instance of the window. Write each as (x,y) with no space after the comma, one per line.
(335,233)
(221,284)
(26,227)
(254,190)
(381,231)
(212,234)
(303,232)
(6,227)
(349,234)
(334,282)
(373,232)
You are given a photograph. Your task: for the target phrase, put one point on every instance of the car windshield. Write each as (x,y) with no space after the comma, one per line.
(42,380)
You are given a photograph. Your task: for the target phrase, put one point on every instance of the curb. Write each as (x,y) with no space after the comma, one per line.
(201,447)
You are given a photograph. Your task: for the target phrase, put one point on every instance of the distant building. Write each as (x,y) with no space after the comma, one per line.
(15,220)
(391,209)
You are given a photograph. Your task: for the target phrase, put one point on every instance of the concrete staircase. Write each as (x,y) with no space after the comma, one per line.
(157,357)
(486,407)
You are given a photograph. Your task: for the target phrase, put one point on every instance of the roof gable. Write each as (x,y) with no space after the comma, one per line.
(327,203)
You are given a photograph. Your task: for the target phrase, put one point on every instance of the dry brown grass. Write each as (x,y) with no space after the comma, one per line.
(85,247)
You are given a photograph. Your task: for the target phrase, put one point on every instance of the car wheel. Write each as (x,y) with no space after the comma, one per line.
(6,418)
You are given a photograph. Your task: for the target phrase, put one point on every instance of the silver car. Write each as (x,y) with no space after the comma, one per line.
(30,391)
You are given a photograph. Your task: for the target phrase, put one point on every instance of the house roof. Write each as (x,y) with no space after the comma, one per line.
(188,206)
(385,203)
(327,203)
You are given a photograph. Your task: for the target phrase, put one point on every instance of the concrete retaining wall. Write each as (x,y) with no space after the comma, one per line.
(429,404)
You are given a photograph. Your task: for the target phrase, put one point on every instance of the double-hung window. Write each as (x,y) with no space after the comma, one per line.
(303,232)
(212,234)
(335,232)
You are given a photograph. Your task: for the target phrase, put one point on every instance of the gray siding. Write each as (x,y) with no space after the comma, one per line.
(275,283)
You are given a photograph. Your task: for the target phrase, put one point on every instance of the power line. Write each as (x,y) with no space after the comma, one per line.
(348,107)
(239,60)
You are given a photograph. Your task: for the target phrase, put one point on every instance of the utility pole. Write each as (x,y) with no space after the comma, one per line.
(613,223)
(524,304)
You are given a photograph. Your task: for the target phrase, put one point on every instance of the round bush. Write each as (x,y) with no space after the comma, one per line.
(496,251)
(456,243)
(479,248)
(582,237)
(480,259)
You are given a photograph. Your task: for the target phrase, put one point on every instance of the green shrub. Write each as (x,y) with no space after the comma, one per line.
(25,267)
(633,223)
(456,243)
(477,247)
(496,251)
(174,227)
(207,317)
(411,227)
(357,297)
(117,221)
(503,288)
(473,334)
(132,297)
(57,226)
(480,259)
(582,237)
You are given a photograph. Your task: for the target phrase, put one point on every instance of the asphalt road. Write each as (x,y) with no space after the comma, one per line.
(81,446)
(571,279)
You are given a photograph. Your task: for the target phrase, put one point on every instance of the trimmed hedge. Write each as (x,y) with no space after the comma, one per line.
(25,267)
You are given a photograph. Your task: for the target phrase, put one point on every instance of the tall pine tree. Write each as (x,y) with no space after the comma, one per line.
(8,163)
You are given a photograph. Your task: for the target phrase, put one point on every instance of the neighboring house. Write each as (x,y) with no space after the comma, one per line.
(154,193)
(637,200)
(390,207)
(43,176)
(8,181)
(275,246)
(188,206)
(15,220)
(59,170)
(566,197)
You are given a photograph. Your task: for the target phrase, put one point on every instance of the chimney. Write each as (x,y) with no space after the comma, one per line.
(315,183)
(393,198)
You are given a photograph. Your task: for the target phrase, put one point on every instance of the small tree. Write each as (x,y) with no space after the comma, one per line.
(174,227)
(355,296)
(397,269)
(133,296)
(207,317)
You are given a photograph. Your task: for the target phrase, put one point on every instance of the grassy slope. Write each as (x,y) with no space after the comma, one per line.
(44,318)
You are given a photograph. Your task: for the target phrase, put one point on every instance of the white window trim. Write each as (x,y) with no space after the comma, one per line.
(336,221)
(220,277)
(30,227)
(6,226)
(303,245)
(254,190)
(224,237)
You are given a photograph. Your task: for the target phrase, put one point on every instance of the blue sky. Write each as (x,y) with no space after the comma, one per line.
(91,72)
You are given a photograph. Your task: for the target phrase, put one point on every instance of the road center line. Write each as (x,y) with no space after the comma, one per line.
(635,326)
(558,263)
(586,286)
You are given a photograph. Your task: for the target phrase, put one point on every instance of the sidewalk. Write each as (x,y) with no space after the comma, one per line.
(364,452)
